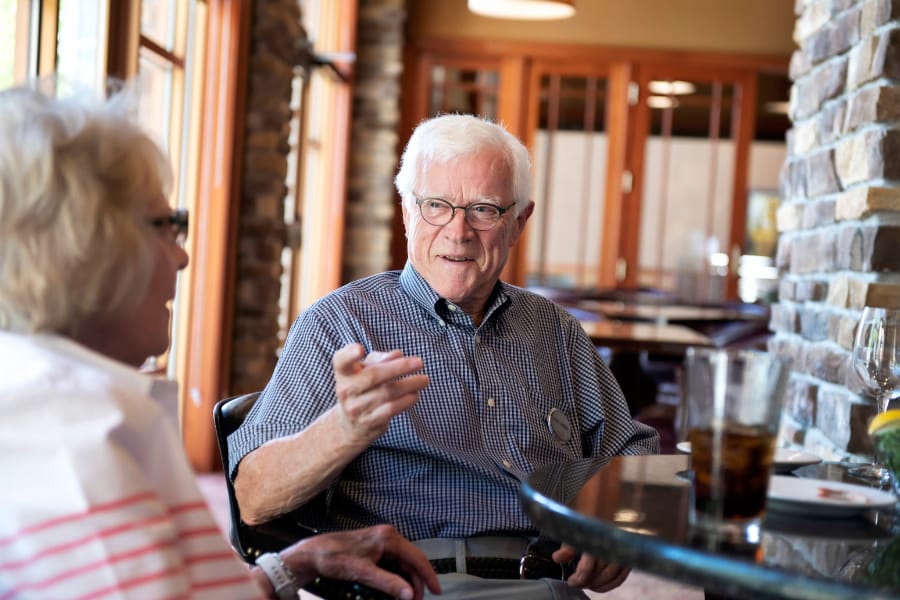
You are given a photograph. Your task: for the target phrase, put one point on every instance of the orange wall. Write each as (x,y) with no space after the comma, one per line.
(742,26)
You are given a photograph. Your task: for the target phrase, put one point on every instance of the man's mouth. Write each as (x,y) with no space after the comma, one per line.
(456,258)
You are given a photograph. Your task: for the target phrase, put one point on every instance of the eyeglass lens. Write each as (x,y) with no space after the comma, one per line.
(481,215)
(176,223)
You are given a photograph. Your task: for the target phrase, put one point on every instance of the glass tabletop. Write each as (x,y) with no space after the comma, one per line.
(633,510)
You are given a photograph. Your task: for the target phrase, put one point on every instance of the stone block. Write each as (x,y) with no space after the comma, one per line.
(853,157)
(859,293)
(853,247)
(783,317)
(884,294)
(826,361)
(830,122)
(783,252)
(876,13)
(809,289)
(822,175)
(835,410)
(862,108)
(839,291)
(861,66)
(885,252)
(789,216)
(787,289)
(818,213)
(805,136)
(792,181)
(844,31)
(874,58)
(814,320)
(799,65)
(812,18)
(846,329)
(861,201)
(878,104)
(800,401)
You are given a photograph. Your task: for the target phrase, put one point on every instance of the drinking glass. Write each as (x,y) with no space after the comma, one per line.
(733,401)
(875,360)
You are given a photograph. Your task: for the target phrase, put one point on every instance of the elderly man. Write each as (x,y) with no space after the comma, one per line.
(423,397)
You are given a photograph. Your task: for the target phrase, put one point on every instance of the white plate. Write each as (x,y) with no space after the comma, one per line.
(822,498)
(785,459)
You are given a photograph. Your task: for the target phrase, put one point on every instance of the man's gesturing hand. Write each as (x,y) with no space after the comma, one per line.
(374,388)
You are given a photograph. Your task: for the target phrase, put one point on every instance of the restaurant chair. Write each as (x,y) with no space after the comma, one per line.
(250,541)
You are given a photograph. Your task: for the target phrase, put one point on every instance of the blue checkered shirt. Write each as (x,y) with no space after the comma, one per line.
(451,465)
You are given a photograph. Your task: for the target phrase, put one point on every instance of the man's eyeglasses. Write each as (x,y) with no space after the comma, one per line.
(175,224)
(480,216)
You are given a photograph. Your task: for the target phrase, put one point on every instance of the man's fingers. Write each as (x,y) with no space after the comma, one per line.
(618,578)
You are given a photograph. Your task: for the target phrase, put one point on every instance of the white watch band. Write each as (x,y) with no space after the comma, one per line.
(279,575)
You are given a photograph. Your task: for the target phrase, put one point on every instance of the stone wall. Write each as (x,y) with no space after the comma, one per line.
(371,199)
(839,248)
(277,40)
(277,44)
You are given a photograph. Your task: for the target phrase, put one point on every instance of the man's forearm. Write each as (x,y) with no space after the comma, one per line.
(285,473)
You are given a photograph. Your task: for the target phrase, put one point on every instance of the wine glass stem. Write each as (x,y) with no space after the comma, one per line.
(882,401)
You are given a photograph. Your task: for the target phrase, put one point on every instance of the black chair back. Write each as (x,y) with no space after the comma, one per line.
(249,541)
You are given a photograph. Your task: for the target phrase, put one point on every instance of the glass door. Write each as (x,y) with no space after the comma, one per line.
(692,140)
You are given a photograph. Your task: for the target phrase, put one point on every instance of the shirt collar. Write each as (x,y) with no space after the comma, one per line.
(419,290)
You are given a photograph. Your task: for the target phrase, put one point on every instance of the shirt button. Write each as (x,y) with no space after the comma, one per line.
(491,402)
(443,323)
(451,307)
(477,339)
(507,464)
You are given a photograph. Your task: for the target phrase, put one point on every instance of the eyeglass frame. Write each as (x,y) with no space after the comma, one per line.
(501,210)
(175,222)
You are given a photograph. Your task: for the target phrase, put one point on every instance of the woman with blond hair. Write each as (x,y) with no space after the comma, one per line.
(98,499)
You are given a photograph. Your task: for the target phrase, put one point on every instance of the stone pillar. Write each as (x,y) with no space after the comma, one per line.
(371,200)
(839,248)
(277,38)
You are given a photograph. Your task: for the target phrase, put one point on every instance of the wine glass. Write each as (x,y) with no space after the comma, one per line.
(875,360)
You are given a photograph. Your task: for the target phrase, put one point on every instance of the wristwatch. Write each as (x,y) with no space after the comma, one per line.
(279,575)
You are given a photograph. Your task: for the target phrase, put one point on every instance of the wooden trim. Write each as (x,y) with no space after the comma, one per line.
(49,27)
(744,120)
(339,155)
(22,43)
(588,54)
(167,55)
(209,340)
(123,32)
(511,113)
(616,198)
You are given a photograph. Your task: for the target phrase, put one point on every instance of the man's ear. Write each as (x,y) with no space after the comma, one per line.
(521,219)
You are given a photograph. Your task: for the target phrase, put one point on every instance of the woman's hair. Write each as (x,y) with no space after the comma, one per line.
(448,137)
(76,176)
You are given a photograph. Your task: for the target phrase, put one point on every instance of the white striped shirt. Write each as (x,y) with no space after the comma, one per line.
(98,499)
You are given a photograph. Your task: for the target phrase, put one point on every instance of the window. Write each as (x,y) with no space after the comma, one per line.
(317,163)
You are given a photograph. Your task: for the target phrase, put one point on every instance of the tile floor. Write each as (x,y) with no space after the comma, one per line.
(638,585)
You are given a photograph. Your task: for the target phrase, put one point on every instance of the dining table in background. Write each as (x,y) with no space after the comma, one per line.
(630,336)
(667,313)
(633,510)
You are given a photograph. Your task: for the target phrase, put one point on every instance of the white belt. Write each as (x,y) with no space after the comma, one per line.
(484,546)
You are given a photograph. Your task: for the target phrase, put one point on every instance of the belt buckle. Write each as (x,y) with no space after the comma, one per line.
(538,565)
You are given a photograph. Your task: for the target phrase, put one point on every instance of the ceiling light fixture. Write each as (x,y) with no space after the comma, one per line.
(530,10)
(671,88)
